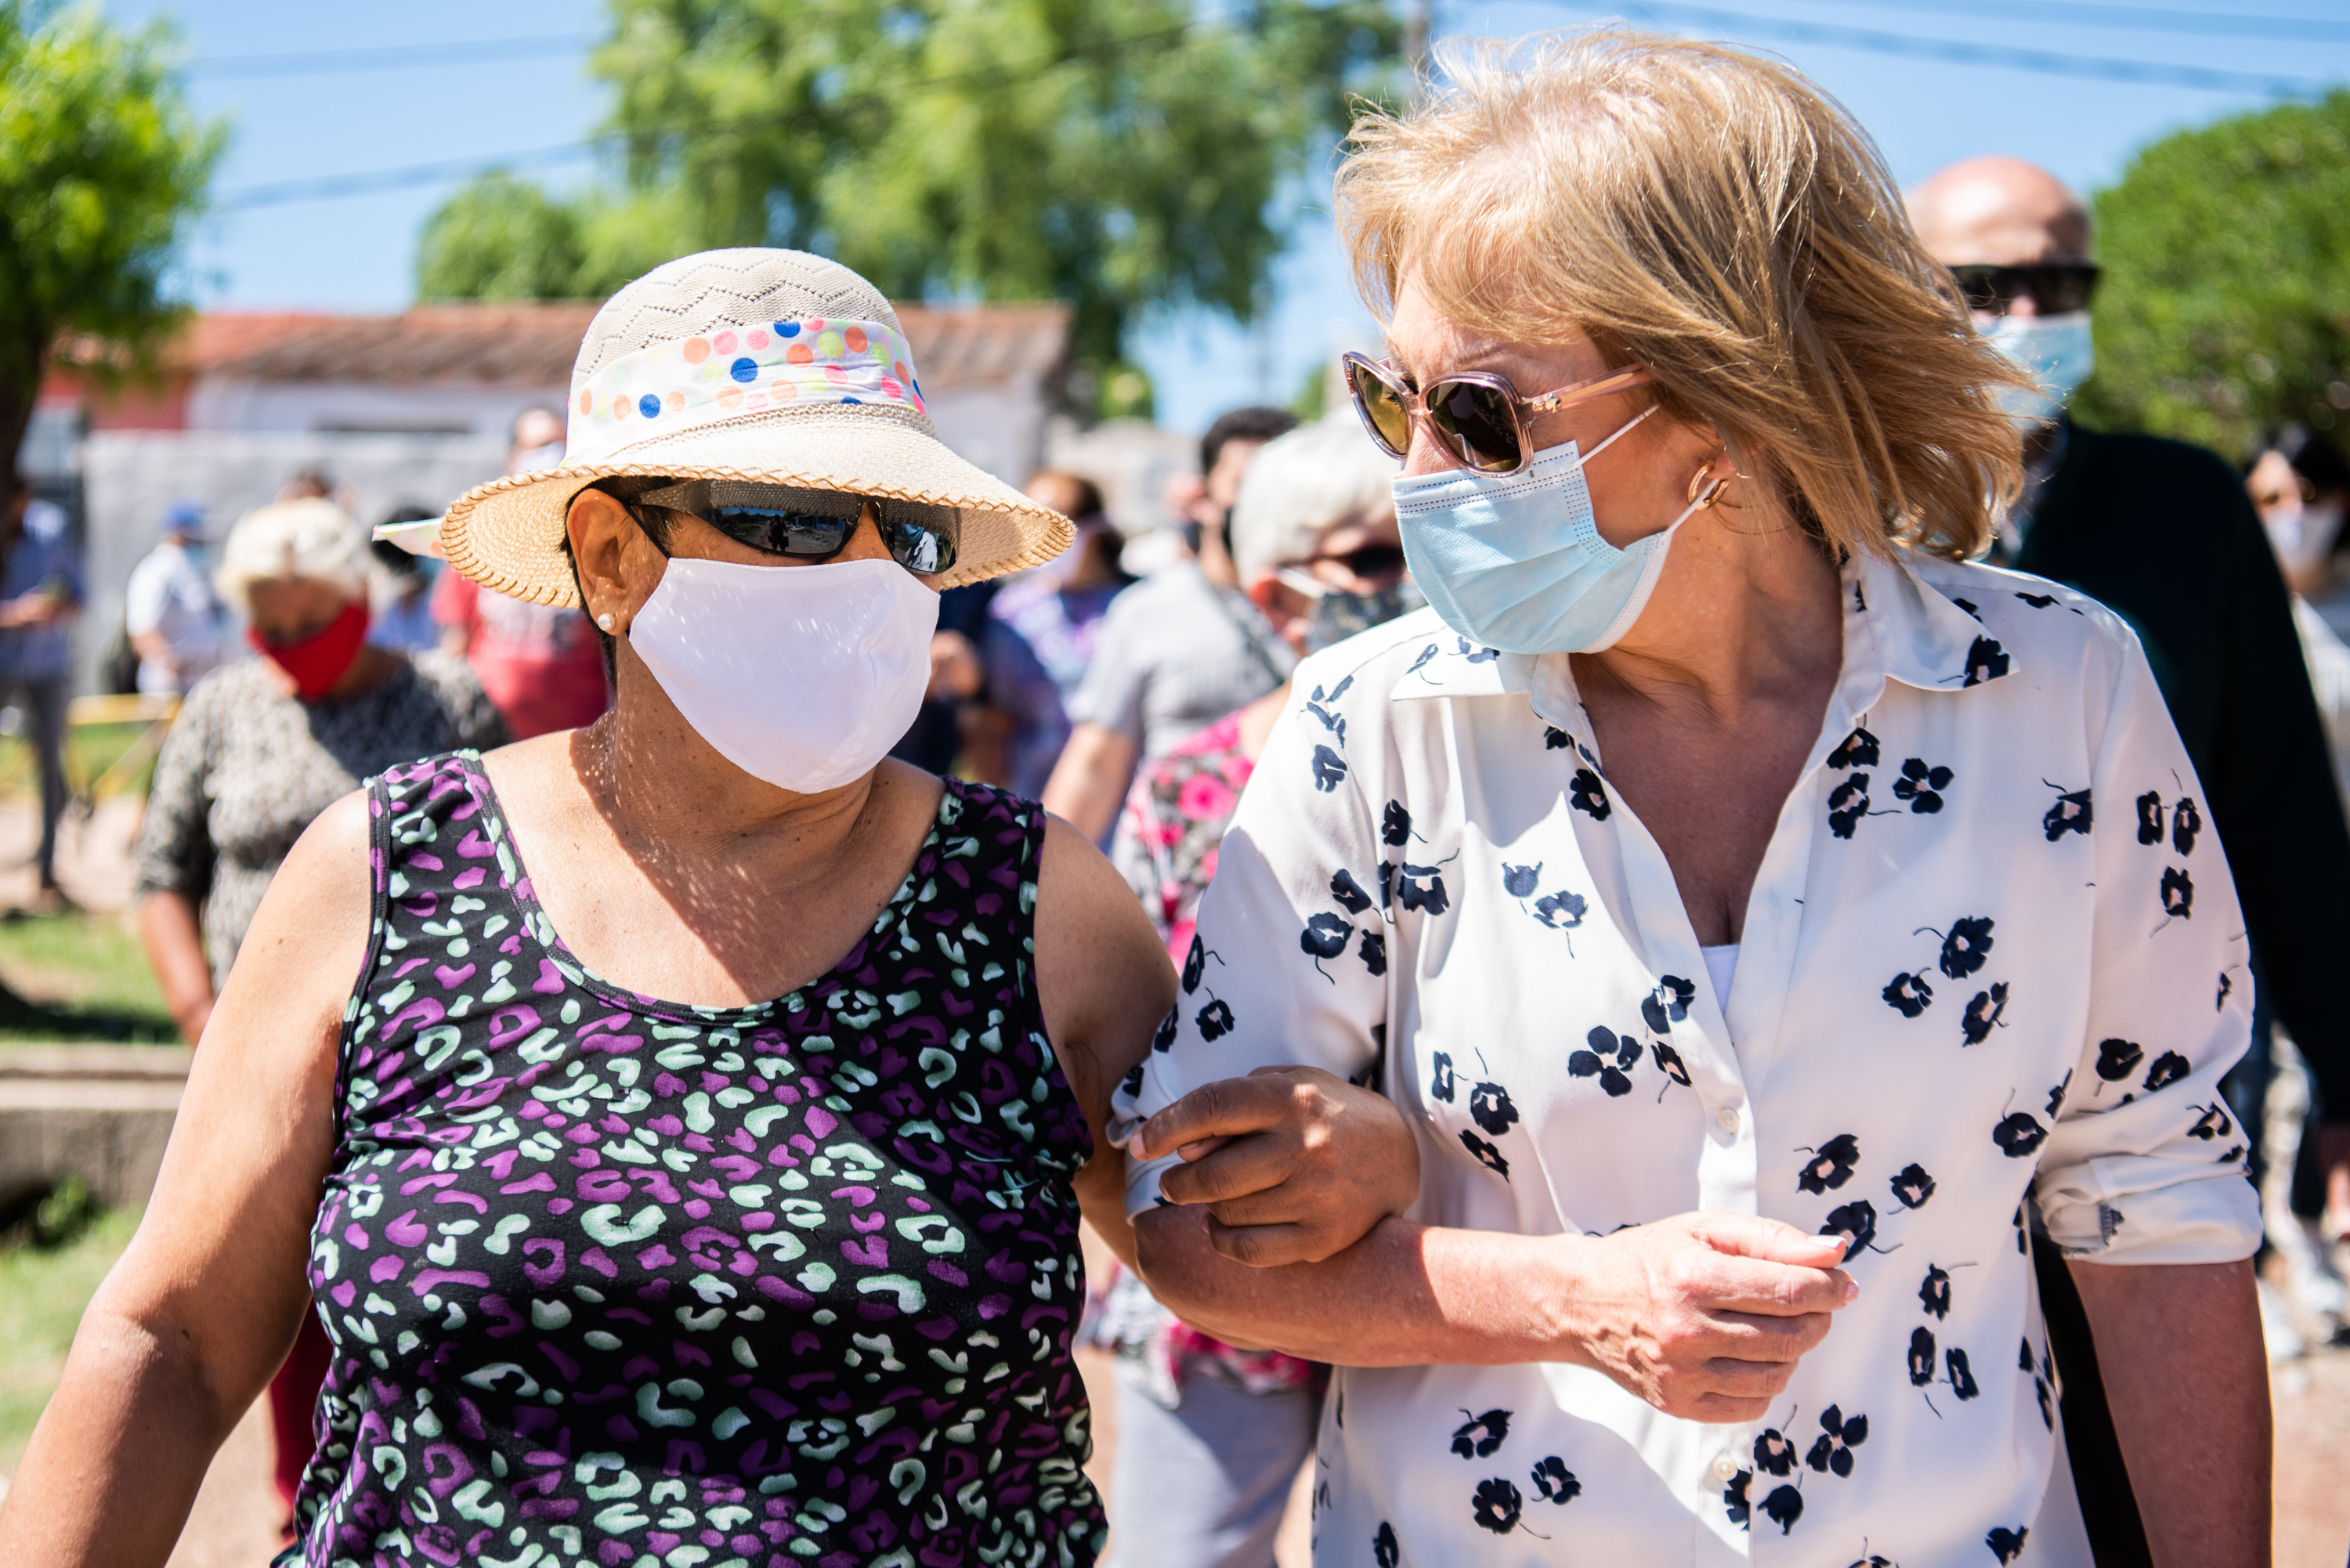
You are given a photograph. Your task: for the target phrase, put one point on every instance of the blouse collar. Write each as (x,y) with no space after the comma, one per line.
(1897,627)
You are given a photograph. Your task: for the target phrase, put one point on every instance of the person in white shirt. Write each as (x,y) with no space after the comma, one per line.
(177,624)
(1749,903)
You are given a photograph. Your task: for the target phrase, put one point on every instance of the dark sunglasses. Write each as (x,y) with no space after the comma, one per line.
(814,525)
(2054,288)
(1478,419)
(1370,562)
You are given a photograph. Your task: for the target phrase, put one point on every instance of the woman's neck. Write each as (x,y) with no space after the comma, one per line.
(669,795)
(1748,611)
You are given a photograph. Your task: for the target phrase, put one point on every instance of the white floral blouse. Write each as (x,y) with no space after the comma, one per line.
(1992,952)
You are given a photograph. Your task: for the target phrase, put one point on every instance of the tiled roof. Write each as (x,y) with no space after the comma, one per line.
(523,344)
(985,345)
(526,345)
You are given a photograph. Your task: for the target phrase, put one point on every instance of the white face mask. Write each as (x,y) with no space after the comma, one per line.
(802,676)
(2304,533)
(2055,349)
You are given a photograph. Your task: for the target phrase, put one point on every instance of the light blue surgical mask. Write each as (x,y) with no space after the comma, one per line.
(2055,350)
(1515,561)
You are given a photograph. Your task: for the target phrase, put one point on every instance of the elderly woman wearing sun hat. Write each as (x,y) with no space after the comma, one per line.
(692,1172)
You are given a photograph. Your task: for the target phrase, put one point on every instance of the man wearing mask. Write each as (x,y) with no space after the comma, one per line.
(2164,534)
(1177,651)
(177,625)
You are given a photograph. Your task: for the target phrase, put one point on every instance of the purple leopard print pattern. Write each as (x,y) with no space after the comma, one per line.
(612,1280)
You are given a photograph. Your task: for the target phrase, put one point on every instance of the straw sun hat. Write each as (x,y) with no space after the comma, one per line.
(761,366)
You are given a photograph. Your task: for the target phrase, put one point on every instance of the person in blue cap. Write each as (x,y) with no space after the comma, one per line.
(178,627)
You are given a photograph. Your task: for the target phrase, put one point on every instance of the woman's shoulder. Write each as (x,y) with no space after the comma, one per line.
(2043,624)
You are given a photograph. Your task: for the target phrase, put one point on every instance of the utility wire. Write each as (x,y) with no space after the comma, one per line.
(1871,40)
(1956,51)
(2129,18)
(329,187)
(323,62)
(281,192)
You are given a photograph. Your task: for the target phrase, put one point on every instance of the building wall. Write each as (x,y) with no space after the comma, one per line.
(130,477)
(999,427)
(218,403)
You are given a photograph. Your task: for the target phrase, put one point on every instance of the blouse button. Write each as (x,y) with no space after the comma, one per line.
(1725,1465)
(1728,1118)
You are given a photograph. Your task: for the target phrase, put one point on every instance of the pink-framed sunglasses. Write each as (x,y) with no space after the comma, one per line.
(1477,417)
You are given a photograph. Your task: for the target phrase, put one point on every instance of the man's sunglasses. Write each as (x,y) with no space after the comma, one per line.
(814,524)
(2054,288)
(1369,563)
(1478,419)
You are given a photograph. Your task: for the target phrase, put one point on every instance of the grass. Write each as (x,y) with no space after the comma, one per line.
(42,1295)
(78,977)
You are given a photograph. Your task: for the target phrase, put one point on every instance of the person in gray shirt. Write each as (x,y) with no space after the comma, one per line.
(1177,652)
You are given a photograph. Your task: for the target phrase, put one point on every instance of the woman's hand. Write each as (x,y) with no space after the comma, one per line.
(1704,1315)
(1294,1164)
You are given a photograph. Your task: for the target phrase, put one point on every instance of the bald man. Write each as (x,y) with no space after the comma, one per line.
(2164,534)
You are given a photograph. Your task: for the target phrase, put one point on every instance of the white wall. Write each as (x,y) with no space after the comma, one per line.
(1131,460)
(998,427)
(130,476)
(216,403)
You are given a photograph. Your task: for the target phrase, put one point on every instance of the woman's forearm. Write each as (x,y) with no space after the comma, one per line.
(116,1459)
(1405,1295)
(174,938)
(2178,1350)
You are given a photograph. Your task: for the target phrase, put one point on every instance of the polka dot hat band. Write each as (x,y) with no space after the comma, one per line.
(762,366)
(669,387)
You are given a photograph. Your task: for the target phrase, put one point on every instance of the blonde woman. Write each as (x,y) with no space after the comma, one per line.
(1754,907)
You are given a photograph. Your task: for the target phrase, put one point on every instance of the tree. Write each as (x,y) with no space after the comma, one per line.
(1120,155)
(103,168)
(500,238)
(2226,300)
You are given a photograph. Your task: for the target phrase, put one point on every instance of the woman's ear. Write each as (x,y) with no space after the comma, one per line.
(617,567)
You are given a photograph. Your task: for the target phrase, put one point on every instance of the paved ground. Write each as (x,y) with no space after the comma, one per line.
(93,853)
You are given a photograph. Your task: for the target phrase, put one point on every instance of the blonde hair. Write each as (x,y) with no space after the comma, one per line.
(311,538)
(1300,486)
(1711,215)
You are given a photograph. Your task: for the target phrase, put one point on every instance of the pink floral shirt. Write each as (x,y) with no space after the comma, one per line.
(1175,818)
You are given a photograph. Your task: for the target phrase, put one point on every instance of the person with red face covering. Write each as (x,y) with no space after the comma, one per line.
(260,749)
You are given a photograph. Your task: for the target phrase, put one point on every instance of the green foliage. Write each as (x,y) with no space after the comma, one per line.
(2226,302)
(1125,393)
(1116,154)
(64,1214)
(499,238)
(102,169)
(1313,399)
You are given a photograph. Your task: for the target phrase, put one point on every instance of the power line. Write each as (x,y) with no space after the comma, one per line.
(2136,18)
(1958,51)
(321,62)
(329,187)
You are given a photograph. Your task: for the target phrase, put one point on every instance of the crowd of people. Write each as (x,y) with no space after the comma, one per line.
(1674,928)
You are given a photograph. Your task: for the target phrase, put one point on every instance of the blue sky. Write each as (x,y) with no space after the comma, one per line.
(353,252)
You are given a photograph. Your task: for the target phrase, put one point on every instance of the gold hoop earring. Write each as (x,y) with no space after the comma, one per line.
(1700,497)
